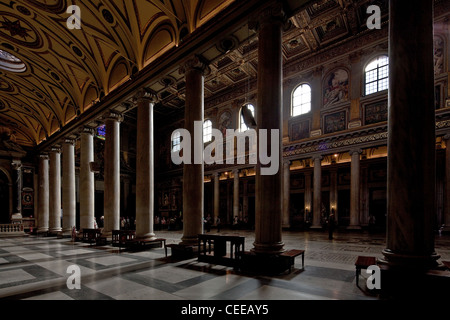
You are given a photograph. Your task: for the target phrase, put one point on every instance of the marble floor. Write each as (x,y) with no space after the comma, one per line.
(35,268)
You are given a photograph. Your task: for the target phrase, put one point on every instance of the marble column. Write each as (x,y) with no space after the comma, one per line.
(333,192)
(245,200)
(17,167)
(112,174)
(269,188)
(447,184)
(68,188)
(216,196)
(317,201)
(87,180)
(308,198)
(145,166)
(286,193)
(43,193)
(411,142)
(193,173)
(236,212)
(55,191)
(355,189)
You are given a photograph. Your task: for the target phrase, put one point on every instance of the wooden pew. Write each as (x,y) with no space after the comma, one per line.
(122,238)
(363,262)
(213,249)
(291,255)
(91,235)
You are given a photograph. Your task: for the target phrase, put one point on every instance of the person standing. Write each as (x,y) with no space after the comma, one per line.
(331,225)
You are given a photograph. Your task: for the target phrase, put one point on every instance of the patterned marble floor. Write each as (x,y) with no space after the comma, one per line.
(35,268)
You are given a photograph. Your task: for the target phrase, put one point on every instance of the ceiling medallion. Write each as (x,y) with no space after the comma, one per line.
(18,31)
(10,62)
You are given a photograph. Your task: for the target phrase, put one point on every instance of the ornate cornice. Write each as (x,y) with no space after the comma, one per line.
(351,141)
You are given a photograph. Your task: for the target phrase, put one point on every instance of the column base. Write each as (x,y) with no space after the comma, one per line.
(400,284)
(315,227)
(54,231)
(355,227)
(42,230)
(189,241)
(147,236)
(263,264)
(268,249)
(404,262)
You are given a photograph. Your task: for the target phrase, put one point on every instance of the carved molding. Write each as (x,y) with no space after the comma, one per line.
(362,137)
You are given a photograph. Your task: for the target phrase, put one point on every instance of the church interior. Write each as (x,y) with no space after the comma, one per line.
(98,98)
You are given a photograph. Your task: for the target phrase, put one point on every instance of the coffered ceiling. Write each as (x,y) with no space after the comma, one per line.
(69,72)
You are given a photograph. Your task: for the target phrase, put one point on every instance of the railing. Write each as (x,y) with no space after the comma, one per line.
(11,228)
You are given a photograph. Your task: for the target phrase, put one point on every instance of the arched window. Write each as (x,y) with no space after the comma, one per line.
(207,131)
(176,141)
(376,75)
(301,100)
(243,127)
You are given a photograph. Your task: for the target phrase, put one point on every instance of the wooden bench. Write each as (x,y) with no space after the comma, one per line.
(363,262)
(213,249)
(122,238)
(446,264)
(291,255)
(144,242)
(91,235)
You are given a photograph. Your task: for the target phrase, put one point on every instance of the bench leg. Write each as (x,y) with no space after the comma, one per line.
(303,260)
(358,272)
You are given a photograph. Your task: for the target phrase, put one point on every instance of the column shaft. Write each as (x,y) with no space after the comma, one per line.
(145,167)
(446,219)
(317,201)
(411,141)
(236,212)
(55,192)
(308,199)
(355,190)
(43,193)
(193,173)
(286,193)
(269,188)
(17,166)
(112,175)
(216,196)
(69,202)
(87,181)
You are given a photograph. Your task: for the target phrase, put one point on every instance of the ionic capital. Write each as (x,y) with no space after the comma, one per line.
(195,63)
(145,95)
(273,13)
(113,115)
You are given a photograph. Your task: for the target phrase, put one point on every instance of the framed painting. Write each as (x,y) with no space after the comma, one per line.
(335,122)
(299,130)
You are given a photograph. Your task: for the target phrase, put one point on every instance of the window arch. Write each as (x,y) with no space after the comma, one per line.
(376,75)
(243,127)
(207,131)
(176,141)
(301,100)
